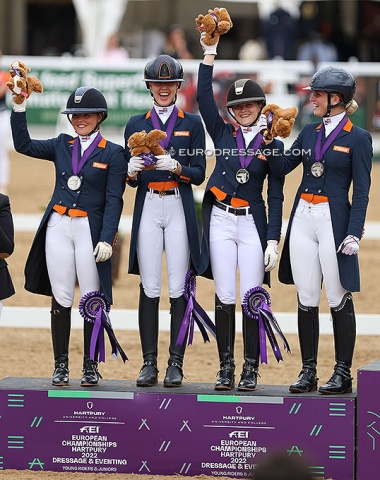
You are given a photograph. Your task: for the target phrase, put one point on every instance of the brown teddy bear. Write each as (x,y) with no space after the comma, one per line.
(280,121)
(21,84)
(146,146)
(215,23)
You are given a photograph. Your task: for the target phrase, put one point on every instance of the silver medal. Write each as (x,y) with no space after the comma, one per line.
(317,169)
(74,182)
(242,175)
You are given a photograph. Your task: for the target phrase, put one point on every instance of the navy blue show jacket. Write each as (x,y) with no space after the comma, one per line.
(347,162)
(267,217)
(187,145)
(100,195)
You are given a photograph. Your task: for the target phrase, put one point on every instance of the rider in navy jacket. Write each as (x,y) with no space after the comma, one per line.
(326,226)
(79,227)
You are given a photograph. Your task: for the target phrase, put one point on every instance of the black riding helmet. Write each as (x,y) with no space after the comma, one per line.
(334,80)
(245,90)
(86,100)
(163,68)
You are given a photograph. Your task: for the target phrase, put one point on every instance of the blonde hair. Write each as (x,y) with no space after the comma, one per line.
(351,107)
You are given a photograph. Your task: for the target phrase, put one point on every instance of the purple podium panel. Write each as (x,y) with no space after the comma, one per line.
(368,418)
(191,430)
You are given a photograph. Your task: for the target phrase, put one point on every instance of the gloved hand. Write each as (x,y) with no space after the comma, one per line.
(135,165)
(349,246)
(271,255)
(166,162)
(208,49)
(19,107)
(102,252)
(262,123)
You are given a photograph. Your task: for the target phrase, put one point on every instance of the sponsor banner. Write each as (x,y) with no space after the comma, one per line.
(116,429)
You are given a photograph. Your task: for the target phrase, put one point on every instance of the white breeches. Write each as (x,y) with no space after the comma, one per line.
(69,256)
(313,255)
(234,244)
(163,227)
(4,140)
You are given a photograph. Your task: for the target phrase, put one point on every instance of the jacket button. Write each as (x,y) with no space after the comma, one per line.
(306,189)
(308,174)
(74,204)
(63,173)
(227,158)
(60,202)
(223,173)
(319,191)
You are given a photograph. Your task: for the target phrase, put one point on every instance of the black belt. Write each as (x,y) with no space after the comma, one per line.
(162,193)
(235,211)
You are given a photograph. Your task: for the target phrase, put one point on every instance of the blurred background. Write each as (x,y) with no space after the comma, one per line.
(106,43)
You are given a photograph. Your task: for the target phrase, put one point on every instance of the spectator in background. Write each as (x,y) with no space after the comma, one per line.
(4,132)
(280,34)
(317,49)
(253,49)
(114,50)
(6,248)
(176,43)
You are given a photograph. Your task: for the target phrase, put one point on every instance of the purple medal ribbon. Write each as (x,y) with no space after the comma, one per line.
(319,149)
(94,308)
(169,128)
(245,160)
(77,165)
(256,305)
(193,313)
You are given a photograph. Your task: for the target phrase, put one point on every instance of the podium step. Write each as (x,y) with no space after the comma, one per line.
(191,430)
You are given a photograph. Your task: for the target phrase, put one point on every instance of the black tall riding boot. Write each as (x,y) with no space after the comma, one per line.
(148,327)
(174,372)
(90,374)
(225,337)
(308,334)
(344,325)
(248,379)
(60,333)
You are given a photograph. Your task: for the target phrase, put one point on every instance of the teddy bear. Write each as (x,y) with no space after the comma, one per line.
(215,23)
(21,84)
(146,146)
(280,121)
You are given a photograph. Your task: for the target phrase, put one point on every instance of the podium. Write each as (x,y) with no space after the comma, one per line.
(192,430)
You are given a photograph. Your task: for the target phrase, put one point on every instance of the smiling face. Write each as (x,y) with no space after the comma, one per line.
(85,123)
(164,93)
(246,113)
(319,100)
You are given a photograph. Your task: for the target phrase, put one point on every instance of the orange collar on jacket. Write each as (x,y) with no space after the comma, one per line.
(180,114)
(347,127)
(101,144)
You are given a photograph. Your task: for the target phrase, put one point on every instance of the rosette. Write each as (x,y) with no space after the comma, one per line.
(256,305)
(194,313)
(94,307)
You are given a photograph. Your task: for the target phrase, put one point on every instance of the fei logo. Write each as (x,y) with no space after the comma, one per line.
(90,429)
(239,434)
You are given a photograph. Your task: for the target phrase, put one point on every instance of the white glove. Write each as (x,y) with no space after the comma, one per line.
(19,107)
(166,162)
(262,123)
(102,252)
(349,246)
(271,255)
(208,49)
(135,165)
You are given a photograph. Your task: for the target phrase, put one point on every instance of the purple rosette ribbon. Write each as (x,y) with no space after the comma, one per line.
(256,305)
(194,313)
(149,159)
(94,307)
